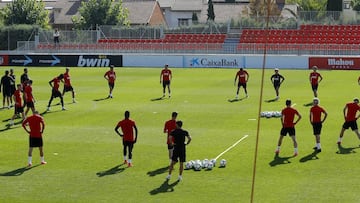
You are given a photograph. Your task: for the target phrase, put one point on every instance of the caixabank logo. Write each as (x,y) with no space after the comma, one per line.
(208,62)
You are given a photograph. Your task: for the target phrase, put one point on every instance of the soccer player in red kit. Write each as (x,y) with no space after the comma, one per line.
(315,78)
(242,76)
(169,126)
(55,92)
(165,78)
(128,127)
(37,126)
(110,76)
(288,125)
(350,114)
(316,121)
(67,84)
(19,108)
(28,97)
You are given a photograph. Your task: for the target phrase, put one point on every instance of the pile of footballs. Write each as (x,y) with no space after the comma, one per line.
(271,114)
(205,164)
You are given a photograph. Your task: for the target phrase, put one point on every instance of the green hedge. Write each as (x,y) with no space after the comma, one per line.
(10,35)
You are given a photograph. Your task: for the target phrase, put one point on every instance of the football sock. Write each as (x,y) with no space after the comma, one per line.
(42,159)
(318,145)
(124,157)
(295,150)
(129,160)
(278,148)
(29,159)
(340,139)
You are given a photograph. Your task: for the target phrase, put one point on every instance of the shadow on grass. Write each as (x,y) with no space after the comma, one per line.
(309,104)
(112,171)
(19,171)
(343,150)
(280,160)
(236,100)
(159,99)
(164,187)
(312,156)
(8,126)
(101,99)
(272,100)
(158,171)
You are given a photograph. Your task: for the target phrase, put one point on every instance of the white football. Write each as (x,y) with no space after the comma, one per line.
(197,166)
(213,161)
(188,165)
(205,163)
(210,166)
(223,163)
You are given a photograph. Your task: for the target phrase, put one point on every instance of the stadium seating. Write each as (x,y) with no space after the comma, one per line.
(310,37)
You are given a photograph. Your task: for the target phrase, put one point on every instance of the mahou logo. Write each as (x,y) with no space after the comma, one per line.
(340,62)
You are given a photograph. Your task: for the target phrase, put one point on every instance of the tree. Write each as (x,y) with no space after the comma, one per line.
(355,4)
(334,5)
(101,12)
(260,8)
(310,5)
(210,10)
(29,12)
(194,18)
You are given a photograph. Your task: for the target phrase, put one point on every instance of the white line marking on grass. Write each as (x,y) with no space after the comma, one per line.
(293,105)
(252,119)
(232,146)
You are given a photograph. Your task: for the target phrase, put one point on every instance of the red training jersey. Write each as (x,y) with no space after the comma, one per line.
(36,124)
(314,78)
(111,76)
(56,82)
(316,111)
(288,114)
(127,129)
(166,73)
(242,75)
(28,93)
(67,79)
(18,100)
(352,109)
(170,125)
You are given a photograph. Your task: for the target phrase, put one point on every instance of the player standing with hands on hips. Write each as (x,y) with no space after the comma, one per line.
(165,78)
(179,153)
(288,125)
(110,76)
(276,80)
(127,127)
(37,126)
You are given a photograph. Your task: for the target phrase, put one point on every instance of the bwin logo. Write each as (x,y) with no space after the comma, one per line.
(92,62)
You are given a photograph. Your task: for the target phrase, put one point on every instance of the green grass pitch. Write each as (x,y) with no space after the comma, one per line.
(84,154)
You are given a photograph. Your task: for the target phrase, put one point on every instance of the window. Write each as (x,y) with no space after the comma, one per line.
(183,22)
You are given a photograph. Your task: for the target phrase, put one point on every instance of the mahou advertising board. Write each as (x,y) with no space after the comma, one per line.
(335,63)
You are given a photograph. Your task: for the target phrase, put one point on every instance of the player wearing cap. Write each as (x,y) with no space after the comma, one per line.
(315,78)
(351,115)
(288,125)
(165,79)
(67,85)
(110,76)
(276,80)
(316,121)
